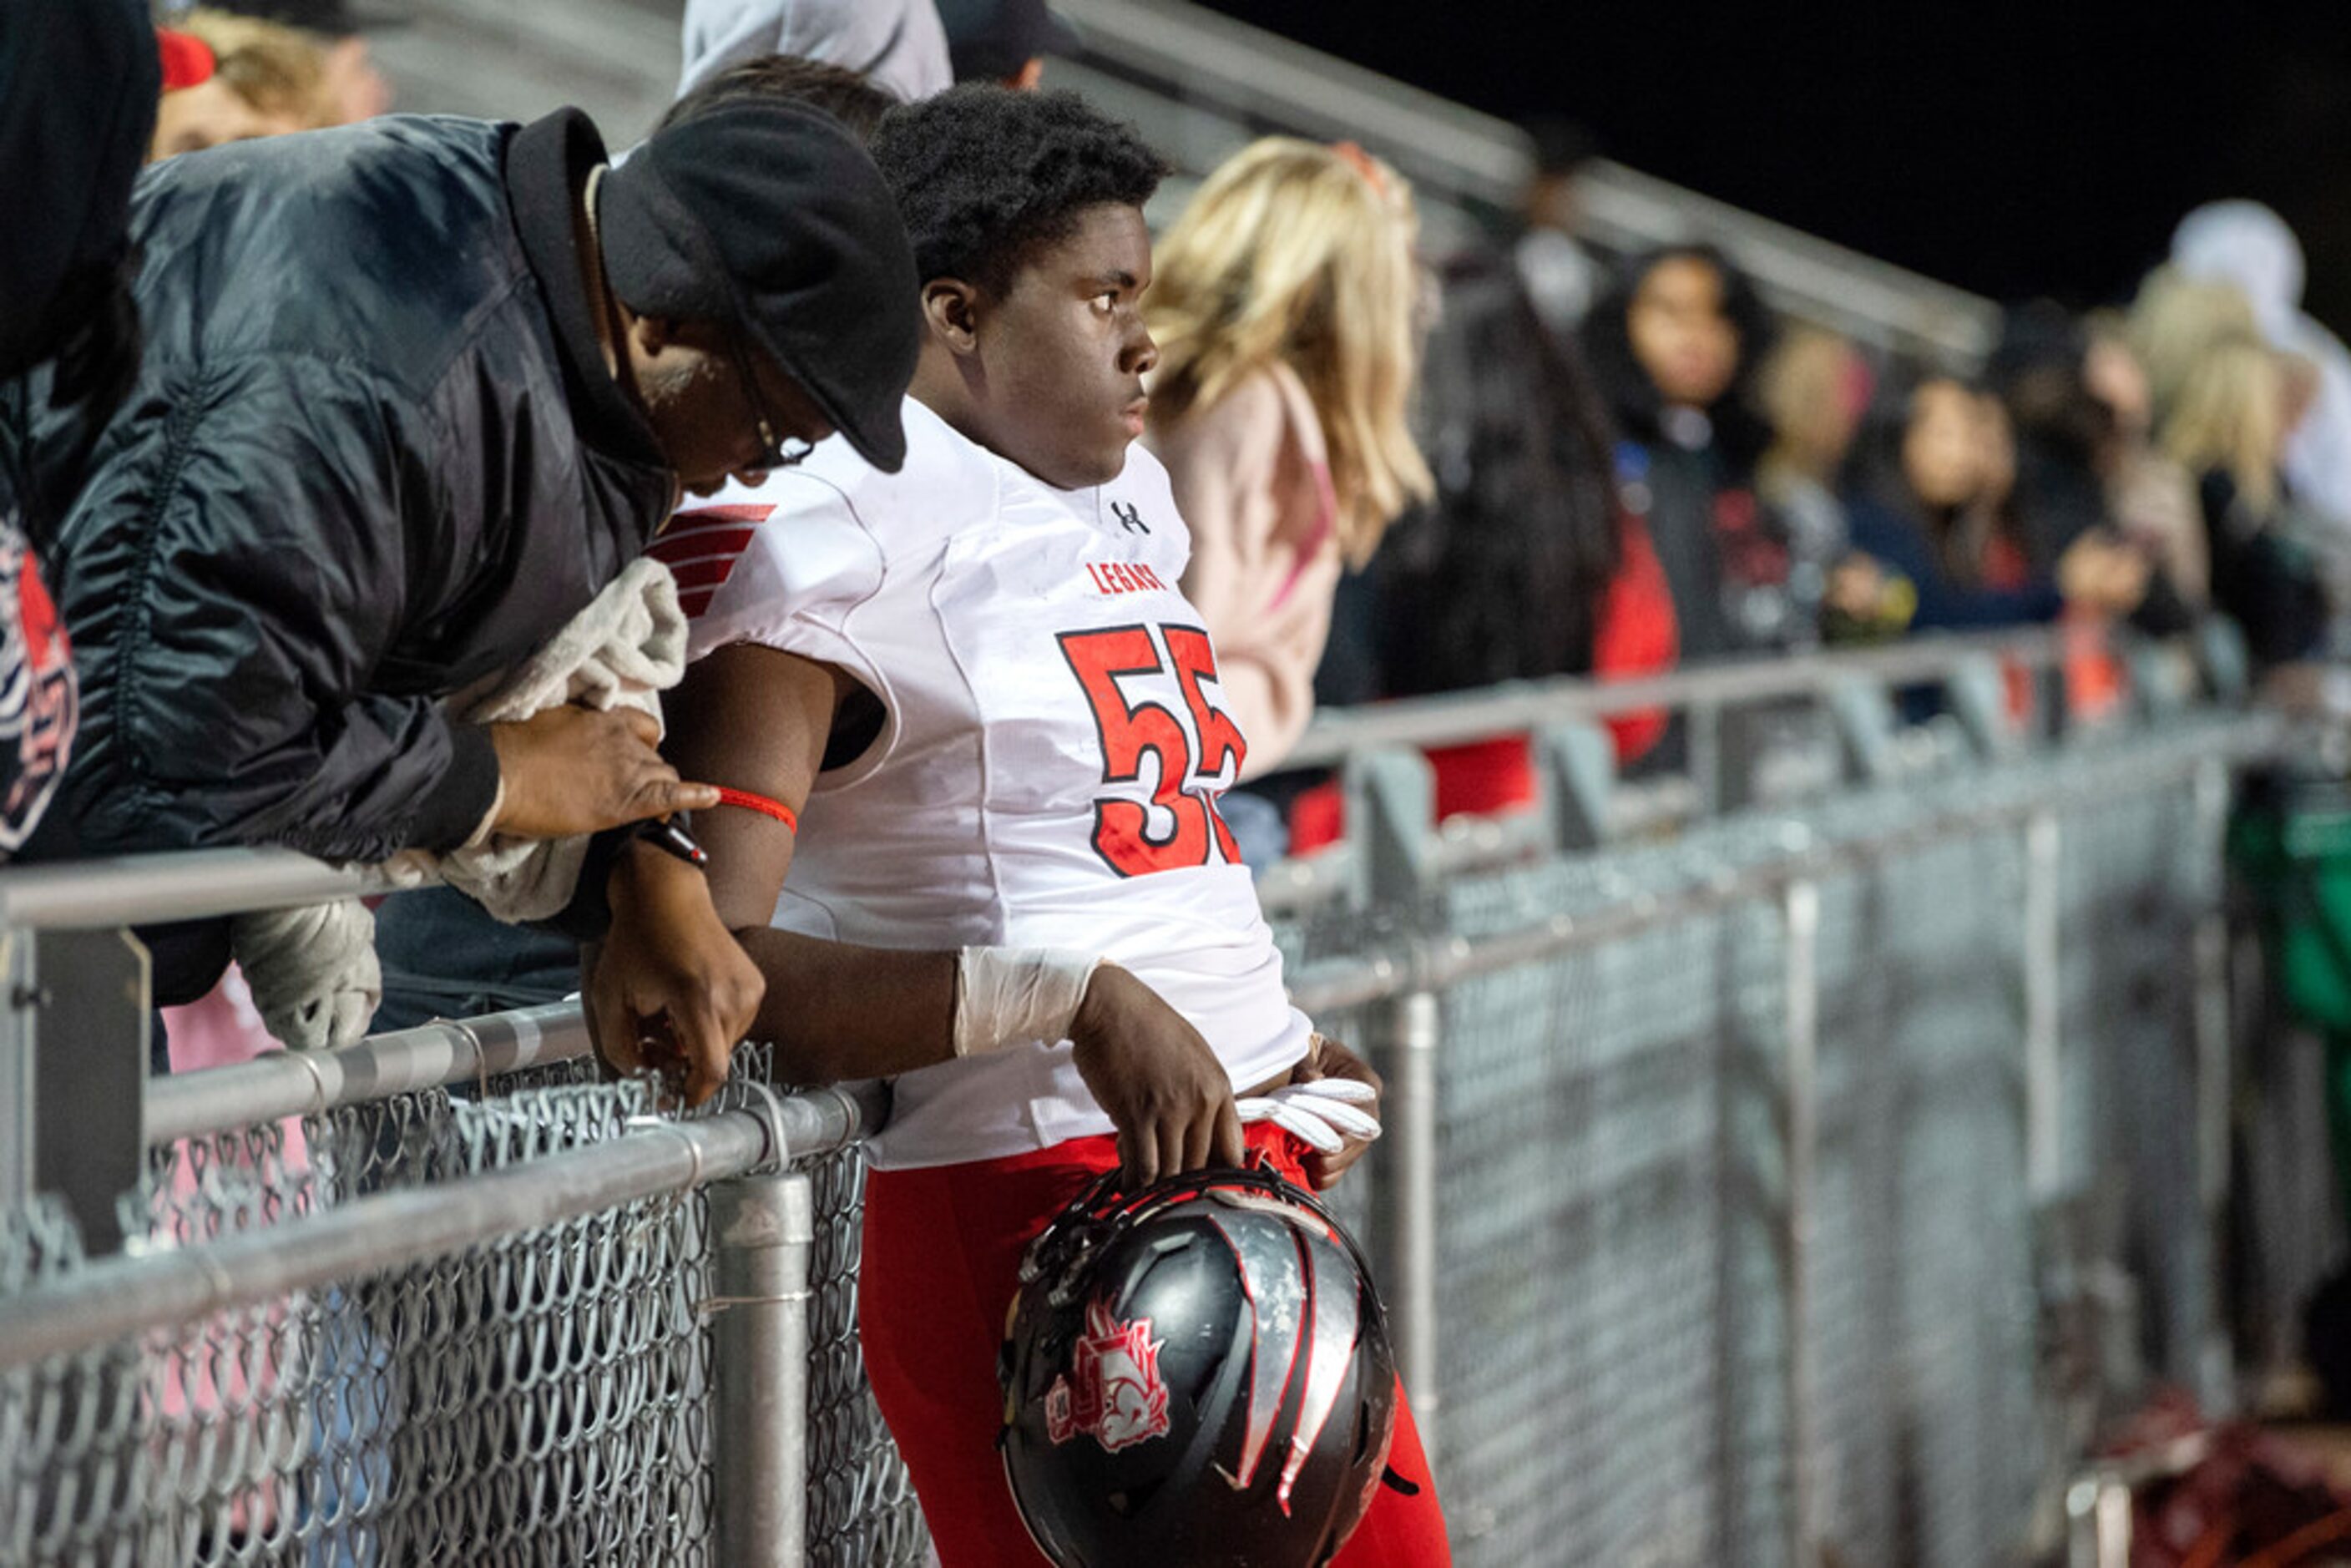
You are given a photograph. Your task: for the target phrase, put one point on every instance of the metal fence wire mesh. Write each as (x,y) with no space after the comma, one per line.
(1712,1286)
(1616,1359)
(1589,1262)
(2130,893)
(541,1399)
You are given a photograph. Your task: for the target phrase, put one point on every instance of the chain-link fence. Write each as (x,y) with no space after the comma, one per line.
(545,1396)
(1719,1214)
(1743,1176)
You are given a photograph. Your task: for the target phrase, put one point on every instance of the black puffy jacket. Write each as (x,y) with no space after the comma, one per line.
(372,456)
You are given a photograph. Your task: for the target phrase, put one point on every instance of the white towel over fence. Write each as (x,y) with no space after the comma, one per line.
(313,970)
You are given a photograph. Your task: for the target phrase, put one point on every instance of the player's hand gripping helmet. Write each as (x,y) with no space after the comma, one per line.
(1197,1373)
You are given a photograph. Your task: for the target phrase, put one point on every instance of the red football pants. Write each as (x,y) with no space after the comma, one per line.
(941,1266)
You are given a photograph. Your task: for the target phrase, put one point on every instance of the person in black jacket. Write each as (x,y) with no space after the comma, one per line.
(1674,348)
(442,954)
(415,391)
(78,92)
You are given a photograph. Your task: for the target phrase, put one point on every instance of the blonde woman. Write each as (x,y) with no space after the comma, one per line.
(2174,324)
(1284,301)
(2227,425)
(268,79)
(2228,418)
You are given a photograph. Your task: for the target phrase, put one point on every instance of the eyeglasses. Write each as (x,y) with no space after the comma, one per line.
(773,453)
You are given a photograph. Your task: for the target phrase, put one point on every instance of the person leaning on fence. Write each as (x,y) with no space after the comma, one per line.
(442,954)
(2228,429)
(415,391)
(2067,445)
(934,691)
(1932,504)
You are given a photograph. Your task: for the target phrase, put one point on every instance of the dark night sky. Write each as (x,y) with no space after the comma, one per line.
(2013,152)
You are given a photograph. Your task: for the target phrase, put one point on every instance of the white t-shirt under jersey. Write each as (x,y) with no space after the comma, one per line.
(1048,770)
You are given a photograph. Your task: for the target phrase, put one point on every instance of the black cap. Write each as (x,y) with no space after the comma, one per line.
(989,40)
(768,218)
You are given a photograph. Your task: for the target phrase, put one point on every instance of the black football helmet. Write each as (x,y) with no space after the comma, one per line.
(1197,1376)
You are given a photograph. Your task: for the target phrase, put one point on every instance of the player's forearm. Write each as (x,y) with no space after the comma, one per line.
(837,1011)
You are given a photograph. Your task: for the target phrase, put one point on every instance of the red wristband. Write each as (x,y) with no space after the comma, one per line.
(761,804)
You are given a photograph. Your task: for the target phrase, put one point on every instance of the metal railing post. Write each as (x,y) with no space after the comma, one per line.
(1977,694)
(1411,1134)
(73,1063)
(1801,910)
(2045,1064)
(2214,1066)
(765,1230)
(1861,712)
(2099,1522)
(89,1083)
(1576,774)
(20,1086)
(1392,792)
(1703,723)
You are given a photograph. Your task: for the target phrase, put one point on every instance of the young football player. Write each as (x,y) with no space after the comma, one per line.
(975,740)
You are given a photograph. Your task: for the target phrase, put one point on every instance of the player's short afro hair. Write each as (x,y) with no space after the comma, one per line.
(984,175)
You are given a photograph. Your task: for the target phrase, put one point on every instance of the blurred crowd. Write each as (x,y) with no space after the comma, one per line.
(1403,474)
(1634,463)
(1598,424)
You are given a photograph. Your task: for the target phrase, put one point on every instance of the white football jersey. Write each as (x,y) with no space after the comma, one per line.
(1047,770)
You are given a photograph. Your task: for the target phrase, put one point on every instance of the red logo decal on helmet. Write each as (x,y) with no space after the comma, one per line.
(1112,1392)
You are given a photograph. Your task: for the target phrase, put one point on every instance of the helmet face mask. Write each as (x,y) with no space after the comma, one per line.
(1197,1373)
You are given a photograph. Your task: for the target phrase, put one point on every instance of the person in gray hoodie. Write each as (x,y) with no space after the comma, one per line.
(900,46)
(2246,244)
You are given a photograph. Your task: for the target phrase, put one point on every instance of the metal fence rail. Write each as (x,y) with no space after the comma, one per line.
(1338,735)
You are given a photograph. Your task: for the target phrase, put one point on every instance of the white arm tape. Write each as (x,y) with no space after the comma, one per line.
(1010,996)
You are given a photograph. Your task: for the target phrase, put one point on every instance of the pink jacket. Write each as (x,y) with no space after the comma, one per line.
(1252,479)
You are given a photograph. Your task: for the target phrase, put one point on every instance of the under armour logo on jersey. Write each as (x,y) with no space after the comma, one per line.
(1128,517)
